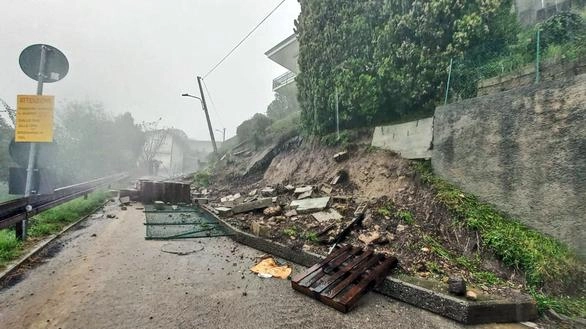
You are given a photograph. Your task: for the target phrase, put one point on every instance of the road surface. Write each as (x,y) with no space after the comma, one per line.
(104,274)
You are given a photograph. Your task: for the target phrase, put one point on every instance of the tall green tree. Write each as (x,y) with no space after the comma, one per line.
(388,59)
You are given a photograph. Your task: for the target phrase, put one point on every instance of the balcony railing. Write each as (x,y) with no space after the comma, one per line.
(283,79)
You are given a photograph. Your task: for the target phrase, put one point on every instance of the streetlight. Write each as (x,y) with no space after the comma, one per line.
(188,95)
(205,110)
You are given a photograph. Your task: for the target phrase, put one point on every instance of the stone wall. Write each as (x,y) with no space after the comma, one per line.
(412,140)
(526,76)
(523,150)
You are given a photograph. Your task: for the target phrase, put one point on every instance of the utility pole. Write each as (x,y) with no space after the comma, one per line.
(205,110)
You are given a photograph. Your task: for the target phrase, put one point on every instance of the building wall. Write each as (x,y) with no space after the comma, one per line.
(523,150)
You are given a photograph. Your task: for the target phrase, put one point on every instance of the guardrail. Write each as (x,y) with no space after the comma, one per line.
(15,211)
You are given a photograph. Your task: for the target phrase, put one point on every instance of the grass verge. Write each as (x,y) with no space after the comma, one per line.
(552,271)
(46,223)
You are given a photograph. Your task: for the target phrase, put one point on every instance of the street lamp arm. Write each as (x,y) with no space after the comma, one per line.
(188,95)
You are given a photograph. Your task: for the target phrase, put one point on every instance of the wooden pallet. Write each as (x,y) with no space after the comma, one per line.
(344,276)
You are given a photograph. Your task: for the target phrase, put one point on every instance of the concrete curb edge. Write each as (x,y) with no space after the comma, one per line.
(467,312)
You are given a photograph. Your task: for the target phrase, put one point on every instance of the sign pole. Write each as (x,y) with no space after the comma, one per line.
(33,146)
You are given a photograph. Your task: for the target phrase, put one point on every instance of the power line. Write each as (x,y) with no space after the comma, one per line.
(244,39)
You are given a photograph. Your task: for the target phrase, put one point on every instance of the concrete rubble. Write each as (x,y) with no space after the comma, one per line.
(307,206)
(327,216)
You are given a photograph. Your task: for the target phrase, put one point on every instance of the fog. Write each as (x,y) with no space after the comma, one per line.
(139,56)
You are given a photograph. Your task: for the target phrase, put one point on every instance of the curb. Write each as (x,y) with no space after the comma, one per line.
(45,243)
(464,311)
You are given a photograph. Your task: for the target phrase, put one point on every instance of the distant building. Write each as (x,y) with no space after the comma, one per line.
(286,54)
(170,153)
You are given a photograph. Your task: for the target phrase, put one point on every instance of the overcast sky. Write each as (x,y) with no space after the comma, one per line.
(139,56)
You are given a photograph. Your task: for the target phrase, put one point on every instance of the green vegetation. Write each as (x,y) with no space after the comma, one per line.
(388,59)
(201,178)
(386,210)
(49,222)
(406,216)
(9,246)
(550,267)
(291,232)
(311,236)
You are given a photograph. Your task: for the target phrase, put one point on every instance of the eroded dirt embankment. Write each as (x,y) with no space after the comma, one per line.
(404,212)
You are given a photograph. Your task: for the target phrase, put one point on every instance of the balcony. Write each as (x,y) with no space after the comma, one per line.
(283,80)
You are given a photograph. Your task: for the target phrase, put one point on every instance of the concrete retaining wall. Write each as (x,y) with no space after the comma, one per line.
(523,150)
(412,140)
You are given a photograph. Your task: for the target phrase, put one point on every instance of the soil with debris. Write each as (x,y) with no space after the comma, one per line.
(403,218)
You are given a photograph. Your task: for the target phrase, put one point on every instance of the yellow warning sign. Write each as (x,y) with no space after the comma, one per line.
(34,118)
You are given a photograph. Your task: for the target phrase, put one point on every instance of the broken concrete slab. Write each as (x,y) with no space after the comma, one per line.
(224,211)
(291,213)
(289,188)
(303,189)
(326,189)
(253,205)
(305,195)
(310,205)
(327,215)
(339,157)
(260,229)
(253,192)
(268,191)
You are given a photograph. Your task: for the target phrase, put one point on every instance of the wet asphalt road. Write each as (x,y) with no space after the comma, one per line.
(104,274)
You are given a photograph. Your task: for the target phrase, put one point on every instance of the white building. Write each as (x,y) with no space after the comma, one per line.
(286,54)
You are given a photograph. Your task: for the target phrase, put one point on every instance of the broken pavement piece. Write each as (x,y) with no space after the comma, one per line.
(305,195)
(327,215)
(224,211)
(303,189)
(253,192)
(268,191)
(339,157)
(260,229)
(289,188)
(291,213)
(253,205)
(326,189)
(310,205)
(369,238)
(268,266)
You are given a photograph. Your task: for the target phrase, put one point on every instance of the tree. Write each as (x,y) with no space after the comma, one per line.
(91,143)
(254,129)
(388,59)
(278,108)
